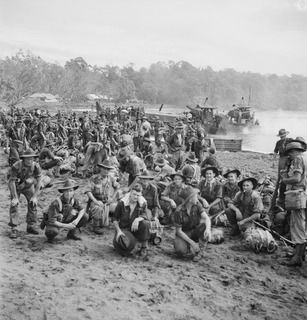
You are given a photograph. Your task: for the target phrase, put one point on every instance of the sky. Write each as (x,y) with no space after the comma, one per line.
(265,36)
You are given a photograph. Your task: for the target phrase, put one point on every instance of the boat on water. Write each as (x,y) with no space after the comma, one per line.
(243,114)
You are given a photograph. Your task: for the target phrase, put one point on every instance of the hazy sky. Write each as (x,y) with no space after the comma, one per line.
(267,36)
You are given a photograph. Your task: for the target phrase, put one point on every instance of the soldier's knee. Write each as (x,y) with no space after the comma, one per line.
(51,232)
(181,247)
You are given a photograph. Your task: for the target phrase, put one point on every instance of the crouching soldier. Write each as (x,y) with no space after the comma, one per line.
(131,223)
(102,194)
(192,224)
(245,207)
(25,178)
(65,212)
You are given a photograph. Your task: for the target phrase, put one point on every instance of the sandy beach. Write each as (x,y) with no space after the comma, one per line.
(87,280)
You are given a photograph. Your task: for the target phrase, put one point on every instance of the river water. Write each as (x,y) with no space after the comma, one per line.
(262,138)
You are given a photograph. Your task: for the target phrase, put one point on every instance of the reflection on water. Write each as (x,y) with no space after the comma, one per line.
(263,138)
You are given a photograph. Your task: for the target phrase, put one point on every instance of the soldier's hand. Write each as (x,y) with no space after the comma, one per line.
(173,204)
(33,200)
(14,202)
(71,226)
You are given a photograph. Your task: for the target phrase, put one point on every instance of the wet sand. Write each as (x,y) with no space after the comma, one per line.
(87,280)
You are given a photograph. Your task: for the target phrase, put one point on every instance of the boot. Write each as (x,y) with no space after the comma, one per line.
(32,229)
(71,234)
(296,260)
(235,231)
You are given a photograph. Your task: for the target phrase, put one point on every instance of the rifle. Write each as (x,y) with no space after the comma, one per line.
(285,240)
(273,202)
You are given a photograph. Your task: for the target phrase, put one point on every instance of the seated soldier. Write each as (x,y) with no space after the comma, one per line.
(211,160)
(170,198)
(130,217)
(48,160)
(102,194)
(191,162)
(151,195)
(131,164)
(25,178)
(211,190)
(230,188)
(245,207)
(65,212)
(163,168)
(192,224)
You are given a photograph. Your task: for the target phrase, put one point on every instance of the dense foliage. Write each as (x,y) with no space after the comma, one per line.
(172,83)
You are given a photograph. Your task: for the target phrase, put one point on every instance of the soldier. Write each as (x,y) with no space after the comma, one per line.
(130,217)
(101,196)
(25,178)
(65,212)
(295,181)
(176,145)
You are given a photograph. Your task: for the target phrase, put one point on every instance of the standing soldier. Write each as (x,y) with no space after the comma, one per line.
(295,200)
(176,145)
(280,149)
(25,178)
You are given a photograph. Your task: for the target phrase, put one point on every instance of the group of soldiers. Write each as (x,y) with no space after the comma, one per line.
(145,176)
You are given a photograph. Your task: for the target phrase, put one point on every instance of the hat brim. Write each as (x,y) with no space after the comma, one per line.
(232,171)
(296,148)
(29,156)
(146,177)
(253,180)
(160,164)
(283,134)
(192,160)
(177,174)
(214,169)
(67,188)
(105,167)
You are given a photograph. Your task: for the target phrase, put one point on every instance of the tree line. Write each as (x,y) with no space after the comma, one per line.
(177,83)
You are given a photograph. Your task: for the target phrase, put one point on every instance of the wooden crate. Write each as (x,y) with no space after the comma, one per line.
(226,144)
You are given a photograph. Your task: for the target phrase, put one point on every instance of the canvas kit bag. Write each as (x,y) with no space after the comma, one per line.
(295,199)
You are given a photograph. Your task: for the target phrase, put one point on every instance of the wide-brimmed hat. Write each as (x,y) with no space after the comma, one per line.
(282,132)
(188,171)
(29,153)
(253,180)
(146,176)
(214,169)
(177,173)
(232,170)
(301,140)
(295,145)
(69,184)
(144,118)
(191,157)
(125,243)
(160,162)
(179,125)
(187,193)
(106,164)
(123,154)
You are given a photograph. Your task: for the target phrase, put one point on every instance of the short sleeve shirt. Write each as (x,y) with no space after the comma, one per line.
(62,211)
(21,172)
(297,165)
(188,221)
(248,204)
